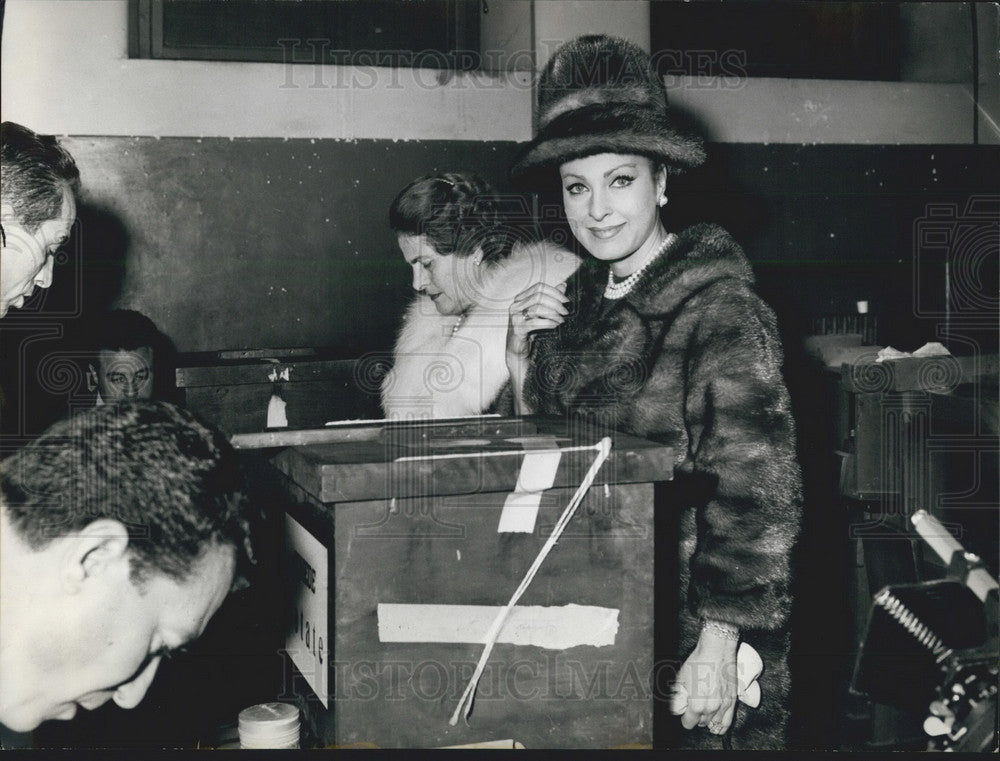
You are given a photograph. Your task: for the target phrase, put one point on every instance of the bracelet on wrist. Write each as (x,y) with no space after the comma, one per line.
(726,631)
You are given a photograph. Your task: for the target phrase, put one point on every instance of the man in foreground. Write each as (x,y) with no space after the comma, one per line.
(121,533)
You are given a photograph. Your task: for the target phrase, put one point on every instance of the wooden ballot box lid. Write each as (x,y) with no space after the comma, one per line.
(462,456)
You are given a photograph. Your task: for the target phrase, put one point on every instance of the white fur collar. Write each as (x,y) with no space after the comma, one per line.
(437,374)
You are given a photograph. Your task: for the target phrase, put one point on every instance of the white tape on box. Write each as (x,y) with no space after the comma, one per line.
(551,627)
(520,509)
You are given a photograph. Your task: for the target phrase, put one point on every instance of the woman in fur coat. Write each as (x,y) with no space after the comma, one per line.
(469,261)
(664,338)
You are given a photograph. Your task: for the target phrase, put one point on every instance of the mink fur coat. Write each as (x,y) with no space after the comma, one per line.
(440,373)
(691,357)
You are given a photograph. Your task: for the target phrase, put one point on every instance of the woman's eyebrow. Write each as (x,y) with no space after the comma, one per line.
(630,164)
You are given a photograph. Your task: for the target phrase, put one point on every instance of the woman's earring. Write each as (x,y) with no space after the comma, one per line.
(663,200)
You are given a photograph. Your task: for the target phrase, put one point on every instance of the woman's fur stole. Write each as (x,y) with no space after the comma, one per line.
(438,374)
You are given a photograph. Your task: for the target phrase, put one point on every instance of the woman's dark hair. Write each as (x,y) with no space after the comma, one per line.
(458,213)
(125,330)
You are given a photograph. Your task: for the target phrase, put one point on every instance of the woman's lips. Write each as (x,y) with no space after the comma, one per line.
(603,233)
(94,700)
(67,713)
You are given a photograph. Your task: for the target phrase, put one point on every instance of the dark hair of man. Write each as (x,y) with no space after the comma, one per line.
(125,330)
(458,213)
(172,480)
(34,173)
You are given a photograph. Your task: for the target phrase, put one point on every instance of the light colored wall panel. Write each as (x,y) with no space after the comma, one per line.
(65,70)
(762,110)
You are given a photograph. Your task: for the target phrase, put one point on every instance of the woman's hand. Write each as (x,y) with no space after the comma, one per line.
(539,307)
(709,677)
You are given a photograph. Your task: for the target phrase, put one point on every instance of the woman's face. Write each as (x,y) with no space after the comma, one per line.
(611,203)
(448,279)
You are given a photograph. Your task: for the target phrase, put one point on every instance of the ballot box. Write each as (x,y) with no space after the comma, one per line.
(404,540)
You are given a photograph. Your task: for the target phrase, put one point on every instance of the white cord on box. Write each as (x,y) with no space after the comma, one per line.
(603,448)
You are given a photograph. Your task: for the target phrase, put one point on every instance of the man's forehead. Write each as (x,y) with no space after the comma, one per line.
(58,228)
(219,568)
(68,211)
(62,224)
(189,604)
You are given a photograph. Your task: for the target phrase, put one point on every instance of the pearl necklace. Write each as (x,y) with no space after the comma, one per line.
(615,290)
(457,325)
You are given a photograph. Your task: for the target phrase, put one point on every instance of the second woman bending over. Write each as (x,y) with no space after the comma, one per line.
(469,261)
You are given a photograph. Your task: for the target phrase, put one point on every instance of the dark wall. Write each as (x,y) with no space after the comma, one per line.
(828,225)
(271,243)
(232,244)
(249,243)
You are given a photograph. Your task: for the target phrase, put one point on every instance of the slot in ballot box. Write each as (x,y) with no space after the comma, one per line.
(403,541)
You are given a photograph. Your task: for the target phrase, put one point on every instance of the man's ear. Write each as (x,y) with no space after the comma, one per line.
(91,377)
(98,548)
(7,213)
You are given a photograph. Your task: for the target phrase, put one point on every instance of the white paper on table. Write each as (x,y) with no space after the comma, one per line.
(276,417)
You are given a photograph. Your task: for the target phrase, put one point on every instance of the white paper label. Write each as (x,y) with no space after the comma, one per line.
(555,627)
(307,642)
(520,509)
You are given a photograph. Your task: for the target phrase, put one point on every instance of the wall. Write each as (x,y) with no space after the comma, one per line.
(505,35)
(557,22)
(74,51)
(256,242)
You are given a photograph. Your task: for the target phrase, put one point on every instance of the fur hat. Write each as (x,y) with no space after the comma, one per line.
(601,94)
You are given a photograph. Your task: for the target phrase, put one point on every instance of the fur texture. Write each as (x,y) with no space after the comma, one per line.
(602,94)
(607,128)
(439,374)
(691,357)
(597,68)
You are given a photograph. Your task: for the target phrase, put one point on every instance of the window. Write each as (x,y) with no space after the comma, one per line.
(436,34)
(777,38)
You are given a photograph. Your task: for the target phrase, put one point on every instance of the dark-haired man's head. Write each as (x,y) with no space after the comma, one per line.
(121,532)
(125,344)
(38,182)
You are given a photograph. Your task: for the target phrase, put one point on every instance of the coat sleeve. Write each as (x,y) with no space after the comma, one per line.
(742,460)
